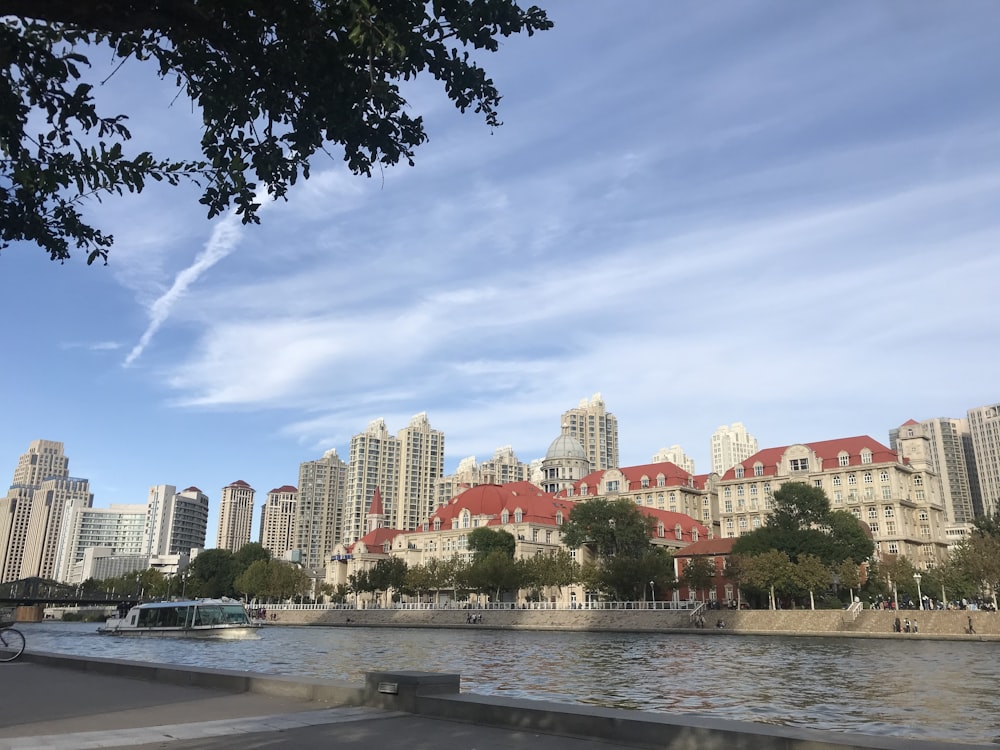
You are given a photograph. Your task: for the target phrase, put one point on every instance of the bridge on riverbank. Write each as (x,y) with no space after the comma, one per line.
(32,592)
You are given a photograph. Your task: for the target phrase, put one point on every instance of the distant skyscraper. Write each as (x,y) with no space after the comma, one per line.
(421,464)
(374,462)
(278,517)
(503,468)
(235,516)
(596,430)
(984,428)
(730,445)
(675,455)
(176,522)
(320,508)
(32,513)
(947,439)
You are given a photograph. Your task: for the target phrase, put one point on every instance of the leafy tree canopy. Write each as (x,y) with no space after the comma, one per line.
(803,524)
(484,541)
(610,527)
(274,80)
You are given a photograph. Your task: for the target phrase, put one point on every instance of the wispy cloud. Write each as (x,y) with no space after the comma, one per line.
(224,240)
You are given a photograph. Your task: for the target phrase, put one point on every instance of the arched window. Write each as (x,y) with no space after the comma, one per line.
(739,472)
(505,516)
(660,531)
(518,515)
(758,469)
(660,481)
(559,518)
(843,459)
(678,532)
(694,533)
(465,519)
(437,524)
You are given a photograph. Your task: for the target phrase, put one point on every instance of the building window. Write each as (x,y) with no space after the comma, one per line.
(729,506)
(758,470)
(739,472)
(843,459)
(918,480)
(873,527)
(505,516)
(868,477)
(836,480)
(518,516)
(660,482)
(817,483)
(890,527)
(866,456)
(739,491)
(923,516)
(729,523)
(753,489)
(743,523)
(799,464)
(852,478)
(728,492)
(838,497)
(893,548)
(612,485)
(694,534)
(678,532)
(559,518)
(755,522)
(644,483)
(437,524)
(872,511)
(887,493)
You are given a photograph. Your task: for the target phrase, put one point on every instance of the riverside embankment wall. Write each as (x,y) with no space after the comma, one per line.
(867,623)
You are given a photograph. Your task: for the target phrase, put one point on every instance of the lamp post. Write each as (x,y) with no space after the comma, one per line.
(920,601)
(652,592)
(895,596)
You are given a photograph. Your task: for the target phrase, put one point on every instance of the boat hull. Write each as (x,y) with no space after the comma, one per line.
(231,633)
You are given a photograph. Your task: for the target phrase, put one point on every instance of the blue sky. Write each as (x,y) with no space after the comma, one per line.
(784,214)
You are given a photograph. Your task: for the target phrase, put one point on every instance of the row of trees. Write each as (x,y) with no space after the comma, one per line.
(249,573)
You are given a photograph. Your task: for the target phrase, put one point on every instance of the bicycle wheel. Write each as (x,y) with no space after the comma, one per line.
(11,644)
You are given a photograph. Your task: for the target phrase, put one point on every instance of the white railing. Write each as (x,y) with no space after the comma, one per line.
(669,605)
(852,612)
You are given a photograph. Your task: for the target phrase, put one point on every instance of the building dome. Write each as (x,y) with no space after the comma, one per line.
(565,446)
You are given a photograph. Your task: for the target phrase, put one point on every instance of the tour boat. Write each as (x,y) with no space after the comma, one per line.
(200,618)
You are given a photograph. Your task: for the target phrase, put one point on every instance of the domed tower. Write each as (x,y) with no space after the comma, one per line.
(565,463)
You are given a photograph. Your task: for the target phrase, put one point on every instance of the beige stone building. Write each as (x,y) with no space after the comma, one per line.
(532,516)
(235,516)
(596,429)
(278,519)
(660,486)
(895,494)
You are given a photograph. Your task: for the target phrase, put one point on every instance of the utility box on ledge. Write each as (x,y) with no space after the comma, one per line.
(401,691)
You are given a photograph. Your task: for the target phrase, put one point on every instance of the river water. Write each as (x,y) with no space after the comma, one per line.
(943,690)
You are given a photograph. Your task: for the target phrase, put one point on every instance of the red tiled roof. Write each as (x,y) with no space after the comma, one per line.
(375,509)
(492,499)
(908,422)
(673,476)
(376,539)
(192,489)
(284,488)
(827,451)
(707,547)
(238,483)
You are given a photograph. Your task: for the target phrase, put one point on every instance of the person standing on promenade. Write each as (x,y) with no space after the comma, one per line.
(896,626)
(914,625)
(972,630)
(906,625)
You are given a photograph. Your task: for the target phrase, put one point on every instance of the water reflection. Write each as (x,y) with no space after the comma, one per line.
(924,689)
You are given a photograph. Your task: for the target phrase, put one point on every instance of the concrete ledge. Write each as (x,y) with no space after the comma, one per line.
(663,731)
(328,691)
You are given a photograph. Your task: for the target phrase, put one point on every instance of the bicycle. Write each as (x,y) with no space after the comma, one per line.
(11,639)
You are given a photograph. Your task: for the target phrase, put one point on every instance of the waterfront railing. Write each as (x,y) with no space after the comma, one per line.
(669,605)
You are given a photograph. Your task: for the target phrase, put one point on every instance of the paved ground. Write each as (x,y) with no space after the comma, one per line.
(62,709)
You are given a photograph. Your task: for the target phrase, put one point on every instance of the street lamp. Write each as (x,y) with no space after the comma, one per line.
(652,591)
(920,601)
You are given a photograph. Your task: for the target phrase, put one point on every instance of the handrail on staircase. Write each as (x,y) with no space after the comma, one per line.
(852,611)
(697,610)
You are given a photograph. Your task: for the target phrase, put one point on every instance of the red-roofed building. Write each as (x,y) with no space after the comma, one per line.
(658,486)
(896,494)
(716,551)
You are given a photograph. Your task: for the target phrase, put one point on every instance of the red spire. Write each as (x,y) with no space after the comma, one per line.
(376,507)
